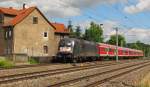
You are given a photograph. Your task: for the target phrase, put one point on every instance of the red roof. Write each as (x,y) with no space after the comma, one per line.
(60,28)
(20,15)
(10,11)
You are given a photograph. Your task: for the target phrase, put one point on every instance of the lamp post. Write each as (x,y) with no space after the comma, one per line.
(116,44)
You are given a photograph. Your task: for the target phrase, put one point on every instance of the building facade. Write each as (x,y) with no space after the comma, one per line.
(26,31)
(60,32)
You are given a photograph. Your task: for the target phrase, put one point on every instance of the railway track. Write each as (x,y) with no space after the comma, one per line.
(28,66)
(116,76)
(102,77)
(24,66)
(18,77)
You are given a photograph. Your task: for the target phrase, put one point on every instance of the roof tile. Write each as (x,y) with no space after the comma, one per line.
(10,11)
(22,14)
(60,28)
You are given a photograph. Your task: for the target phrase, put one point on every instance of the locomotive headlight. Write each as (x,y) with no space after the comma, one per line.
(68,49)
(65,49)
(69,44)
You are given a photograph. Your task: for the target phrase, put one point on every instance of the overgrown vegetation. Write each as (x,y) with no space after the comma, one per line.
(6,63)
(33,61)
(145,82)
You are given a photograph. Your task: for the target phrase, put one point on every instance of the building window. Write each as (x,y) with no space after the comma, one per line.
(45,49)
(45,34)
(1,18)
(35,20)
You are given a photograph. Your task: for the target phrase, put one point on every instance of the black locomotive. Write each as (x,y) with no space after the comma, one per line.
(73,50)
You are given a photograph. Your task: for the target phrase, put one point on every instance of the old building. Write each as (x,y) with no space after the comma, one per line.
(61,32)
(26,31)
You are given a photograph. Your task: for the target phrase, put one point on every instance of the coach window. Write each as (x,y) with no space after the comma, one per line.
(45,49)
(107,49)
(124,51)
(35,20)
(111,50)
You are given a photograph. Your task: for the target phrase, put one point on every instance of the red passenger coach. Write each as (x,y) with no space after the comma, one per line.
(106,50)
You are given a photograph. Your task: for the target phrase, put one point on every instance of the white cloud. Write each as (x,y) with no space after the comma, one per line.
(140,34)
(142,5)
(59,8)
(135,34)
(131,35)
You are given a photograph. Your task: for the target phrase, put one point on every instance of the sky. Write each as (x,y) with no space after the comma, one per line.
(131,17)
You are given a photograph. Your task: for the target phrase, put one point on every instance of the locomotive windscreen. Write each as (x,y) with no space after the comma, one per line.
(65,43)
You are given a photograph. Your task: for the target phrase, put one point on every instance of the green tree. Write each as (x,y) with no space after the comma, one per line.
(121,40)
(134,46)
(137,45)
(78,32)
(140,46)
(70,27)
(94,33)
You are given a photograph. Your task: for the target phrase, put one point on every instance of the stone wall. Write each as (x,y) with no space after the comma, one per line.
(2,42)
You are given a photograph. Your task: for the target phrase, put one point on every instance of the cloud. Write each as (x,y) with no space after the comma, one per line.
(131,34)
(59,8)
(142,5)
(139,34)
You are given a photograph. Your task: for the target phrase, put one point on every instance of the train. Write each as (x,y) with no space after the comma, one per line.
(79,50)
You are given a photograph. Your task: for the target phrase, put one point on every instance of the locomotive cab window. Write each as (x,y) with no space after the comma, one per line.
(65,43)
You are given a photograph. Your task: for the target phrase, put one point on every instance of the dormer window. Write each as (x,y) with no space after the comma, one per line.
(35,20)
(1,18)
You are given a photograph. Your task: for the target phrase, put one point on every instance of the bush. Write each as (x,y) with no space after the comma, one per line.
(6,64)
(33,61)
(145,82)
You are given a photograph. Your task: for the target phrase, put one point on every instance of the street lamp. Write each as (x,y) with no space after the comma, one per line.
(116,44)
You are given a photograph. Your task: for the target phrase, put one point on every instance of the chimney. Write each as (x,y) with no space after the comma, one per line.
(24,6)
(10,7)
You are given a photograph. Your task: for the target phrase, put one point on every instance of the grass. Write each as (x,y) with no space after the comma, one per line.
(6,63)
(145,82)
(33,61)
